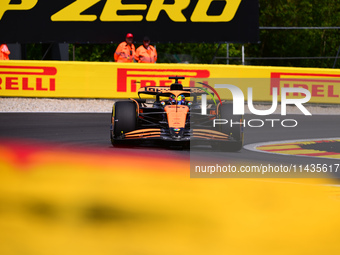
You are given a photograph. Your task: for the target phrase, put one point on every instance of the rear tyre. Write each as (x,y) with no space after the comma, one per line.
(125,120)
(235,132)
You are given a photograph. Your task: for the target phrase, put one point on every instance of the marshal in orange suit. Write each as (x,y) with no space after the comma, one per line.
(4,52)
(125,51)
(146,53)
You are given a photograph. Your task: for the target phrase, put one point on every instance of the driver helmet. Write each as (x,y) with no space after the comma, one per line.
(172,99)
(181,100)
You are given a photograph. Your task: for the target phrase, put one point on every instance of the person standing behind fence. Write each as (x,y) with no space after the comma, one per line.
(125,51)
(146,53)
(4,52)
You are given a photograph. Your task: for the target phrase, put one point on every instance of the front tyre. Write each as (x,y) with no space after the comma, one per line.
(124,120)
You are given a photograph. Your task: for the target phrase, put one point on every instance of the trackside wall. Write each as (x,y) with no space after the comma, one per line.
(54,79)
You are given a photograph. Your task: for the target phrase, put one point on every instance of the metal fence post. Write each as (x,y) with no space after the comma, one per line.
(336,57)
(227,53)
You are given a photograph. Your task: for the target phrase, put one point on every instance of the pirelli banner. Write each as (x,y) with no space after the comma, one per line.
(106,21)
(52,79)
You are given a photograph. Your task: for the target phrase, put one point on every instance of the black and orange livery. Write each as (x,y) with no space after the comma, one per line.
(179,122)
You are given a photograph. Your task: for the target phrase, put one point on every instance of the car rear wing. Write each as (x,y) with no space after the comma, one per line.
(153,90)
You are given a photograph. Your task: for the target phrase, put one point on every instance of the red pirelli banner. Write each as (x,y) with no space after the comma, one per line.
(51,79)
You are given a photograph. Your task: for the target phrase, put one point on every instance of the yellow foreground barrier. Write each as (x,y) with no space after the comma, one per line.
(65,201)
(52,79)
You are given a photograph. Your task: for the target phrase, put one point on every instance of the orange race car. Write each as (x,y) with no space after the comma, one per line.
(174,115)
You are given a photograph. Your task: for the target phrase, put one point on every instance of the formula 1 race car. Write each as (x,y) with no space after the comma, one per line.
(174,115)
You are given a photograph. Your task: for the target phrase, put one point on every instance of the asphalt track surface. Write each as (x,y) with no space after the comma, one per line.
(92,130)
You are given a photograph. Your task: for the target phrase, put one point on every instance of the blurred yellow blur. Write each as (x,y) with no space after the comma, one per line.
(60,202)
